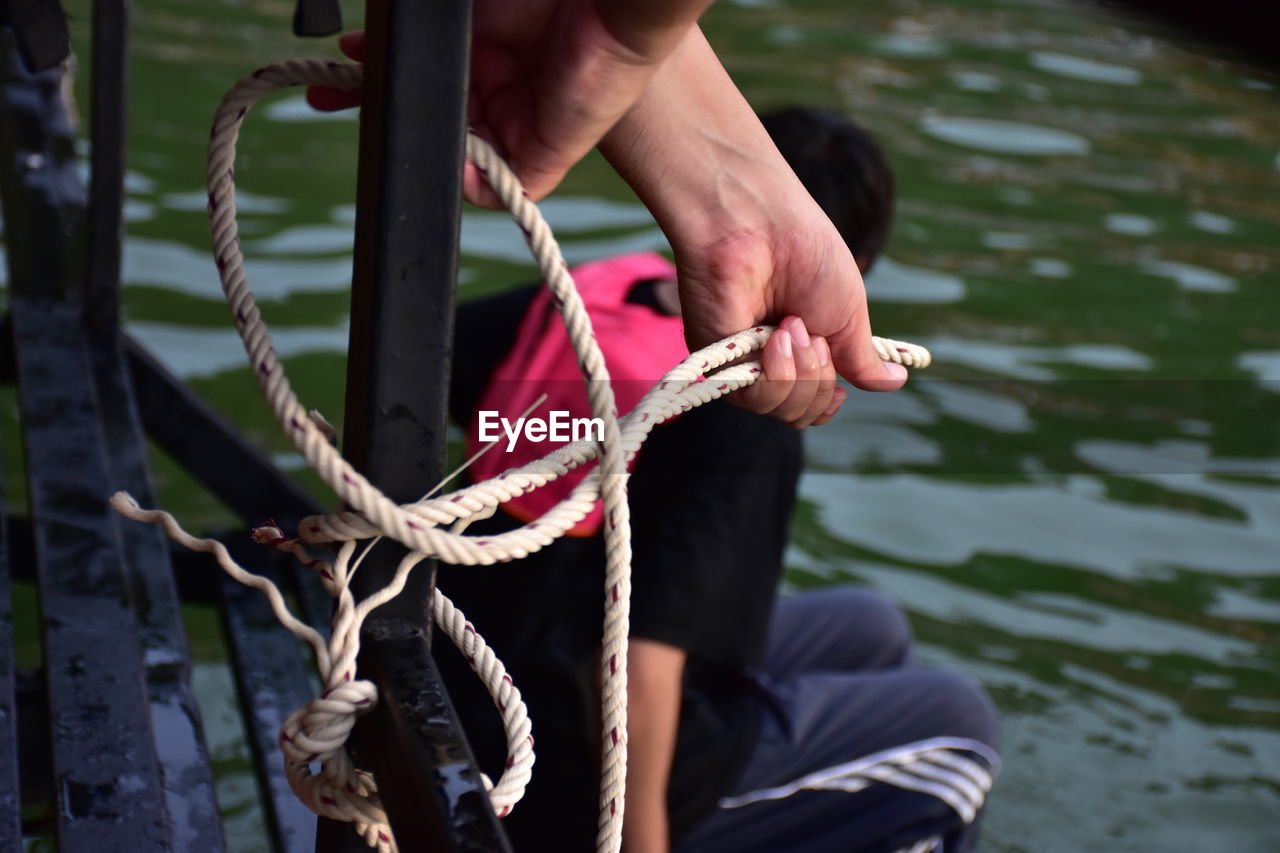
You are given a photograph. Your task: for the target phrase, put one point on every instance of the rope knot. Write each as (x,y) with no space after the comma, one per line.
(317,730)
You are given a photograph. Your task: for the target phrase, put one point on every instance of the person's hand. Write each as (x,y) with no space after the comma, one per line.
(550,77)
(751,245)
(798,384)
(803,273)
(328,100)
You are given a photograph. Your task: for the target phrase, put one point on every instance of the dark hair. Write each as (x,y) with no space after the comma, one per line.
(843,168)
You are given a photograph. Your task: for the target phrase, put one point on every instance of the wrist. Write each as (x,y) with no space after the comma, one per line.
(696,154)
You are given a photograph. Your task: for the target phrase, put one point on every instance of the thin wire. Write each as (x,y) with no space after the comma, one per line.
(448,478)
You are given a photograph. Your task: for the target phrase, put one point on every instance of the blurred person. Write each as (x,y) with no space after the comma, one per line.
(756,723)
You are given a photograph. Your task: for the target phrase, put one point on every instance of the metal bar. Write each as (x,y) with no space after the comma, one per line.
(406,250)
(100,711)
(235,471)
(313,18)
(43,204)
(412,136)
(35,755)
(6,350)
(109,791)
(211,450)
(106,161)
(271,679)
(187,776)
(194,821)
(19,552)
(10,791)
(40,28)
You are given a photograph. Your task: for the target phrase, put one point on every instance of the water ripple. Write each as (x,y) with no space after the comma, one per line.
(1004,137)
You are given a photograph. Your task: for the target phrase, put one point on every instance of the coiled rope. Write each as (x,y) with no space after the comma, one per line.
(317,732)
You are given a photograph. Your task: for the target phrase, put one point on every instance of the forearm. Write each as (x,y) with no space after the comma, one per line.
(695,152)
(750,243)
(654,672)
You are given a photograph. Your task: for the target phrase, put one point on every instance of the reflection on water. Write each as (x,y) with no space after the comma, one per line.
(1085,69)
(1190,276)
(1079,506)
(891,281)
(1005,137)
(189,352)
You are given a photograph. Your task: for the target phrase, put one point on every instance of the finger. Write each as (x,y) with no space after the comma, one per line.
(778,362)
(328,100)
(824,385)
(808,373)
(476,189)
(838,396)
(856,359)
(352,45)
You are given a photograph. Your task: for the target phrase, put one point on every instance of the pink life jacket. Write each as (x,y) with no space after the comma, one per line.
(639,344)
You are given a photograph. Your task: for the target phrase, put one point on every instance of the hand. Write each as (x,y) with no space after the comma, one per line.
(550,77)
(798,386)
(777,270)
(751,245)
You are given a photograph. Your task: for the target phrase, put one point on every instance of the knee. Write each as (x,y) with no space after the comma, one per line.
(883,625)
(965,708)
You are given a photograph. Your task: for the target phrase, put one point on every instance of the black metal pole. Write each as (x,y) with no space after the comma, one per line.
(40,31)
(106,183)
(92,650)
(412,138)
(315,18)
(191,807)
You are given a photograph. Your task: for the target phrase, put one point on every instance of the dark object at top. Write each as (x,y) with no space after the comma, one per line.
(317,18)
(40,29)
(1245,26)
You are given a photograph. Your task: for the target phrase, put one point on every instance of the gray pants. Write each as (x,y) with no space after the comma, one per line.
(861,751)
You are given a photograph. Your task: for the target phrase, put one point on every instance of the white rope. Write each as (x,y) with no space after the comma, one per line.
(317,732)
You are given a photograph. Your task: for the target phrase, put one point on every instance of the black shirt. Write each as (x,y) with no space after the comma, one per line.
(711,498)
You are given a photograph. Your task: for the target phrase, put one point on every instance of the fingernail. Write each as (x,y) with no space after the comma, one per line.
(823,351)
(800,333)
(895,371)
(837,400)
(784,342)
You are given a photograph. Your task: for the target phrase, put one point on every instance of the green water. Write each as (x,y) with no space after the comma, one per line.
(1079,506)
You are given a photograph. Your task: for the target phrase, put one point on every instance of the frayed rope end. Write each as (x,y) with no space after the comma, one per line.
(125,504)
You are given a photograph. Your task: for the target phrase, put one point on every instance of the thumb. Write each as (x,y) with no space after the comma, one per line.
(476,189)
(855,358)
